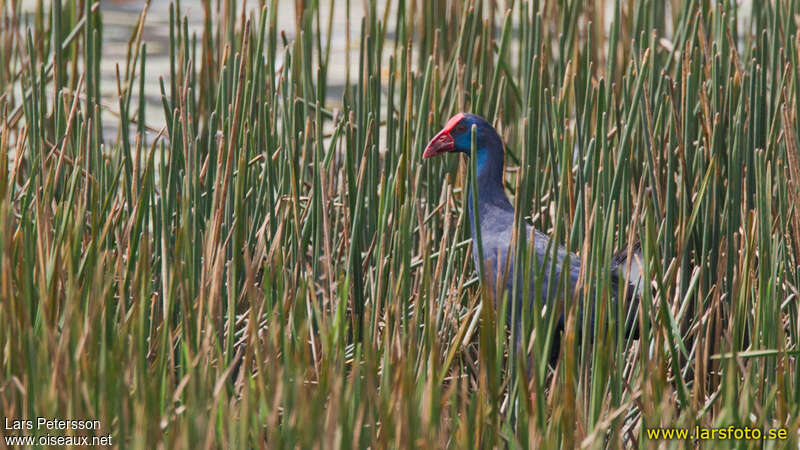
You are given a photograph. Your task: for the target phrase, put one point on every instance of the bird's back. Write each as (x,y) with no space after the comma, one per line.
(497,228)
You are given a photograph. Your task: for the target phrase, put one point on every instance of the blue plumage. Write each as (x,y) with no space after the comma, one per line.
(496,215)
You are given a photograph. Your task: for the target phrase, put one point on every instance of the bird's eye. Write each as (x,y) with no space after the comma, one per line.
(461,128)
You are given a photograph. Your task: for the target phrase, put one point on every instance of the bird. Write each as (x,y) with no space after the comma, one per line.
(496,217)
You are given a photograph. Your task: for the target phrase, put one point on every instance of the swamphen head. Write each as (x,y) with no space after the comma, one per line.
(456,137)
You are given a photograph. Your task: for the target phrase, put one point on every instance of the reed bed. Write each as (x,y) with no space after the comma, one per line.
(277,269)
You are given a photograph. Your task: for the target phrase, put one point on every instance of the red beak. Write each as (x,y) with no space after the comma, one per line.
(441,143)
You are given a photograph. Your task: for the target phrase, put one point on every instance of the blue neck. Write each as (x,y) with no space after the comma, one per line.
(490,181)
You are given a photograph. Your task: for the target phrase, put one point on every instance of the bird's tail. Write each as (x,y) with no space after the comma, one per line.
(628,267)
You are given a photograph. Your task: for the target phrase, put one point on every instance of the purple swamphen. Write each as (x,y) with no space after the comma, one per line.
(496,216)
